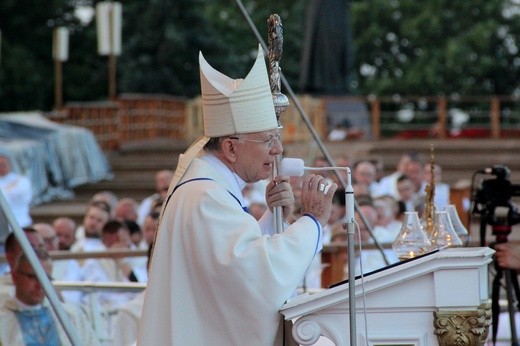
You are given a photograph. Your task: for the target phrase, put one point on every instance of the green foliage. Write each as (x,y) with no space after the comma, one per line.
(436,47)
(26,66)
(162,39)
(236,43)
(401,47)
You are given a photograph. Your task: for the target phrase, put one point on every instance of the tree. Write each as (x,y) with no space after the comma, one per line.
(436,47)
(400,47)
(162,39)
(26,71)
(237,37)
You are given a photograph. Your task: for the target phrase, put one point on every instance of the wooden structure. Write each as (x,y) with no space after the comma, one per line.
(134,117)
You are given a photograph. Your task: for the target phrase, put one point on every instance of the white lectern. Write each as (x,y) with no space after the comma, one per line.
(441,298)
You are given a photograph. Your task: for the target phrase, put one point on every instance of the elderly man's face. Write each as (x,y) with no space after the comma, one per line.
(48,234)
(256,154)
(66,232)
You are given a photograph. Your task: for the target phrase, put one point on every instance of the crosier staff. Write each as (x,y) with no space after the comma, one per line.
(281,102)
(429,211)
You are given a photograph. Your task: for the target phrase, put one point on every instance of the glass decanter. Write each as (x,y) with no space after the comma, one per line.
(459,227)
(443,234)
(411,240)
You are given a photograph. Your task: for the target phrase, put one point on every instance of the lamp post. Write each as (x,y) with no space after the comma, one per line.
(109,24)
(60,53)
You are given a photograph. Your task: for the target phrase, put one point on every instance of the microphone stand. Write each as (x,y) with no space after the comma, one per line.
(350,227)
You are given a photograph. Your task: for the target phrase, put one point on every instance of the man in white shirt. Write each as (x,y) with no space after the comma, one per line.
(162,182)
(114,236)
(62,269)
(17,190)
(97,214)
(388,184)
(387,226)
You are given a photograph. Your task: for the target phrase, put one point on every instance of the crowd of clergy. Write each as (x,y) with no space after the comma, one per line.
(124,223)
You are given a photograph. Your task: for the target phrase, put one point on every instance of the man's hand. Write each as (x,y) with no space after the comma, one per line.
(279,194)
(508,255)
(317,196)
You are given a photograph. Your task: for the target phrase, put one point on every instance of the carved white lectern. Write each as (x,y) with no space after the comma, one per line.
(441,298)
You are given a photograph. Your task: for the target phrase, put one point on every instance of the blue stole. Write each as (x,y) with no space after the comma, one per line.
(38,327)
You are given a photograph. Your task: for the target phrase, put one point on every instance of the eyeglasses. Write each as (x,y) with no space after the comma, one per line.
(32,276)
(50,240)
(270,141)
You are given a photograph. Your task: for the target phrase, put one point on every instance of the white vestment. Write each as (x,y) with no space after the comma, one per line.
(105,270)
(214,278)
(17,190)
(124,331)
(10,333)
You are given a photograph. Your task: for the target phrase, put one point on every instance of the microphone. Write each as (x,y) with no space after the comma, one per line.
(292,167)
(295,167)
(349,199)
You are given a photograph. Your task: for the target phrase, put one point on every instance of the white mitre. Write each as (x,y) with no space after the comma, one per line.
(232,106)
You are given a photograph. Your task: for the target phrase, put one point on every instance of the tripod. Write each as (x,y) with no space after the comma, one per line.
(511,283)
(493,202)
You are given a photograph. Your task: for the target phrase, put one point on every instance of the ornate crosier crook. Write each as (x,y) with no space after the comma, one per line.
(280,101)
(274,54)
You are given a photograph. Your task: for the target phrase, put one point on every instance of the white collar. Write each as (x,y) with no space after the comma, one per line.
(233,179)
(24,307)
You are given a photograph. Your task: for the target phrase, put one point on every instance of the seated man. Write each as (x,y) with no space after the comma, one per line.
(6,282)
(114,236)
(62,269)
(26,317)
(17,190)
(97,214)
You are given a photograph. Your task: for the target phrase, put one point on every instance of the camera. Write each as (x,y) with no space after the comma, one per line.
(492,201)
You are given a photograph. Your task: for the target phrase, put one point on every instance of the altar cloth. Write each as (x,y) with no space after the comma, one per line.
(55,157)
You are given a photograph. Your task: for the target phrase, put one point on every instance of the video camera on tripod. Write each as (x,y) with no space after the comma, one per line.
(493,202)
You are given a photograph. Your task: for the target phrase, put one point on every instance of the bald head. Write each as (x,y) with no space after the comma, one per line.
(162,181)
(48,234)
(65,228)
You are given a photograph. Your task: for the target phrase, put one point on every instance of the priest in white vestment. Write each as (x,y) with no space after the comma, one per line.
(17,191)
(218,276)
(26,316)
